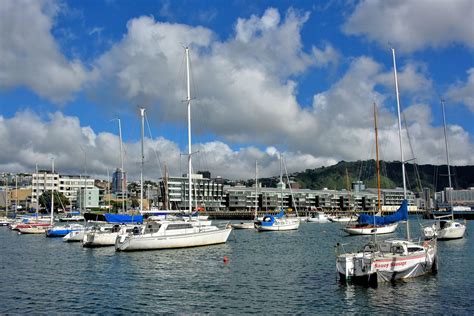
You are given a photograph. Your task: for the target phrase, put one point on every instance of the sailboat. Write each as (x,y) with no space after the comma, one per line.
(173,234)
(39,228)
(392,259)
(250,225)
(280,221)
(445,229)
(367,225)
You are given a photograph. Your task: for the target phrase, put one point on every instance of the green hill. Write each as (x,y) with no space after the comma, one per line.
(334,177)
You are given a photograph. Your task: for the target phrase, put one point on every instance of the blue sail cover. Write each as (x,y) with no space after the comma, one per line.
(123,218)
(269,220)
(400,215)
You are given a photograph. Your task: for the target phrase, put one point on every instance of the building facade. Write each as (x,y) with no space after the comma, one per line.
(206,193)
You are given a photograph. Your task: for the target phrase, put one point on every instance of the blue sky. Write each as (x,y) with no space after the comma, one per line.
(296,77)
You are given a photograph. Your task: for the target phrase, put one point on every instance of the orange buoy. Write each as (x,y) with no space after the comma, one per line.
(226,259)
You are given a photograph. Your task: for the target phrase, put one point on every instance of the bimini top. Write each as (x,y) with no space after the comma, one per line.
(400,215)
(114,218)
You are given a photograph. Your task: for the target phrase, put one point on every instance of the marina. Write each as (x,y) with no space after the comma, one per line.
(290,272)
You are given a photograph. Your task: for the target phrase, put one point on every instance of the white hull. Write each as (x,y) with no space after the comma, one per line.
(99,239)
(387,229)
(156,241)
(77,235)
(246,225)
(445,230)
(33,230)
(280,226)
(343,219)
(394,263)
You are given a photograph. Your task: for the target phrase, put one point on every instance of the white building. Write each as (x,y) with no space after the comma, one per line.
(69,185)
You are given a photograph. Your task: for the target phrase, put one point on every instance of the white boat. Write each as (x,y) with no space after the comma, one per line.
(75,235)
(388,260)
(101,236)
(243,225)
(446,229)
(342,218)
(172,234)
(275,223)
(318,217)
(279,222)
(5,221)
(370,229)
(33,229)
(369,225)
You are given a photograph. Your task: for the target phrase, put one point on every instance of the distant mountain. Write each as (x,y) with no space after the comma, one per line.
(334,177)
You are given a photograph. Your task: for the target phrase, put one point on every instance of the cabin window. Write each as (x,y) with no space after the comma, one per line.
(179,226)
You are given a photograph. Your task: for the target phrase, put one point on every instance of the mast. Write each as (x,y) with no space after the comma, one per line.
(6,196)
(16,193)
(188,101)
(256,188)
(447,156)
(123,182)
(37,191)
(166,193)
(52,191)
(142,114)
(377,159)
(281,184)
(400,133)
(348,189)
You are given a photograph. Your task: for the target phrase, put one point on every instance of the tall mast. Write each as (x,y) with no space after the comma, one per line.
(447,158)
(142,114)
(123,183)
(446,143)
(400,133)
(16,193)
(52,190)
(377,158)
(256,188)
(6,195)
(37,191)
(188,100)
(281,184)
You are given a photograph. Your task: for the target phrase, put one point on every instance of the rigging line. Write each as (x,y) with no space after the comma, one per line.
(153,148)
(415,167)
(289,186)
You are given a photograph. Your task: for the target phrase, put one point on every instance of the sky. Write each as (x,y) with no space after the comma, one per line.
(296,78)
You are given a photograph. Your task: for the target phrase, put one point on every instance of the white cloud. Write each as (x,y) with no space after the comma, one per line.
(29,54)
(464,92)
(414,25)
(327,55)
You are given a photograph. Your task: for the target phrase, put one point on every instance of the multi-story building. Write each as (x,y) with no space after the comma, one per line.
(119,183)
(69,185)
(206,193)
(449,196)
(87,198)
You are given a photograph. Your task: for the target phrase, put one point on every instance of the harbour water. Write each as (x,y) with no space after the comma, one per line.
(271,273)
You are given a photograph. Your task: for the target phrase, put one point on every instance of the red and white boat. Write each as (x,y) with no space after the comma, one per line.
(33,229)
(389,260)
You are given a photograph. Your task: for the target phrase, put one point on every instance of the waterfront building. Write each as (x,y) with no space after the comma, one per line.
(87,198)
(207,193)
(68,185)
(448,196)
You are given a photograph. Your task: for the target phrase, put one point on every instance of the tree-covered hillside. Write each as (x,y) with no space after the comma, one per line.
(334,177)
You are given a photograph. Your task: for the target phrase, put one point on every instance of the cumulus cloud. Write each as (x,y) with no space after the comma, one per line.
(463,92)
(29,139)
(413,25)
(30,55)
